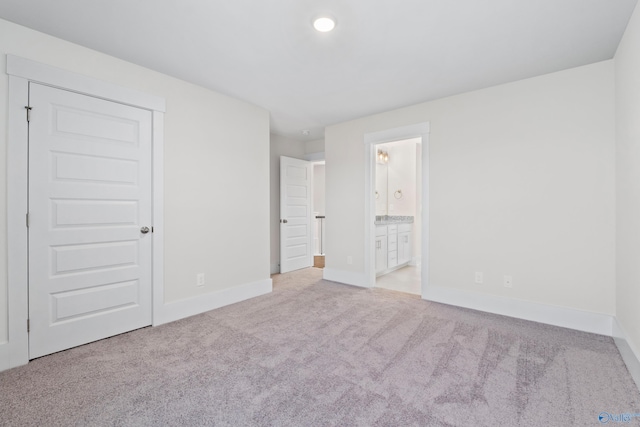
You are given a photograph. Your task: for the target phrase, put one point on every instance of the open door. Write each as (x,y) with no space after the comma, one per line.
(296,234)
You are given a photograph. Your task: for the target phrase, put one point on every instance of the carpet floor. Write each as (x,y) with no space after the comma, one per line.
(317,353)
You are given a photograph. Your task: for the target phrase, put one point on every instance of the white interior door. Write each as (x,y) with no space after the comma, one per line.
(89,197)
(296,234)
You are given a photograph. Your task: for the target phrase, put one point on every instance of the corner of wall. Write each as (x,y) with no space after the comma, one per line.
(346,277)
(627,207)
(630,356)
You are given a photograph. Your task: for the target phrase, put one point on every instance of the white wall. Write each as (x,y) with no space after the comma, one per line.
(313,147)
(280,146)
(318,189)
(521,183)
(627,64)
(216,169)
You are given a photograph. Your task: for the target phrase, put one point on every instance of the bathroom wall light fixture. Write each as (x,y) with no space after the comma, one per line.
(324,24)
(383,156)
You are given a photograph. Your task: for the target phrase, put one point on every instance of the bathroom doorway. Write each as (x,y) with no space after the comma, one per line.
(398,201)
(397,221)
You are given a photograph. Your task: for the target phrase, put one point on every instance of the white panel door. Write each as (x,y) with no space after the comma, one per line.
(296,234)
(89,197)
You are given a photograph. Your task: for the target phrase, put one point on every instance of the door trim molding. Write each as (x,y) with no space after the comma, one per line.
(418,130)
(46,74)
(15,351)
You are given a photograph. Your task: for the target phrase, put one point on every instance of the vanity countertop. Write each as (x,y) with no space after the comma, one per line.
(393,219)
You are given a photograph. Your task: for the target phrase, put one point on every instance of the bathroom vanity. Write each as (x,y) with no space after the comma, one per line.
(393,242)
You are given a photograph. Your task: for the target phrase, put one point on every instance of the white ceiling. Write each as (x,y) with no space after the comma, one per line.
(382,54)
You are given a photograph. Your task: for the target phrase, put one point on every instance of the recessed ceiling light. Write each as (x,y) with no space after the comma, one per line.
(324,24)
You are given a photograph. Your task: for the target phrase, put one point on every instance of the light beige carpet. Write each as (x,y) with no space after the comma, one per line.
(316,353)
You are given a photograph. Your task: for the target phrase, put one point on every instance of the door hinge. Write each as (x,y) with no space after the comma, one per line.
(28,325)
(28,113)
(152,228)
(27,219)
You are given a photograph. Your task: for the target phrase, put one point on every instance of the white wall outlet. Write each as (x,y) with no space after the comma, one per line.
(349,260)
(200,279)
(479,277)
(508,281)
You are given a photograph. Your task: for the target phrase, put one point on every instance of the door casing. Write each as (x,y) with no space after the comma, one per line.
(22,71)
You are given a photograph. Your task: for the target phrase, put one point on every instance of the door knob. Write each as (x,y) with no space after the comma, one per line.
(144,230)
(284,221)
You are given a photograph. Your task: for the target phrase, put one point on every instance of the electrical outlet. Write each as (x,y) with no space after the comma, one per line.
(200,279)
(349,260)
(479,277)
(508,281)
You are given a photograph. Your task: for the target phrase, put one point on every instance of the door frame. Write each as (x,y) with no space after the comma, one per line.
(419,130)
(21,72)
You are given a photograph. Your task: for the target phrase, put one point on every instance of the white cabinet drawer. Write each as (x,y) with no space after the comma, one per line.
(392,229)
(381,230)
(404,227)
(393,245)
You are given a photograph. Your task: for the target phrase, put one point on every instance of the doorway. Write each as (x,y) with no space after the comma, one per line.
(375,245)
(398,222)
(302,213)
(319,213)
(296,222)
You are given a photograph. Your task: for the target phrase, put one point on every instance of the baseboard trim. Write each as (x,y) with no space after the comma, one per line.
(347,277)
(191,306)
(5,359)
(13,353)
(580,320)
(630,355)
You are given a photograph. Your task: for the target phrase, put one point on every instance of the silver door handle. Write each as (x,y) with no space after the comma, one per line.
(144,230)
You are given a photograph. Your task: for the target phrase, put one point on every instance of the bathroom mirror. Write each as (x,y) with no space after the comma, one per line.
(397,177)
